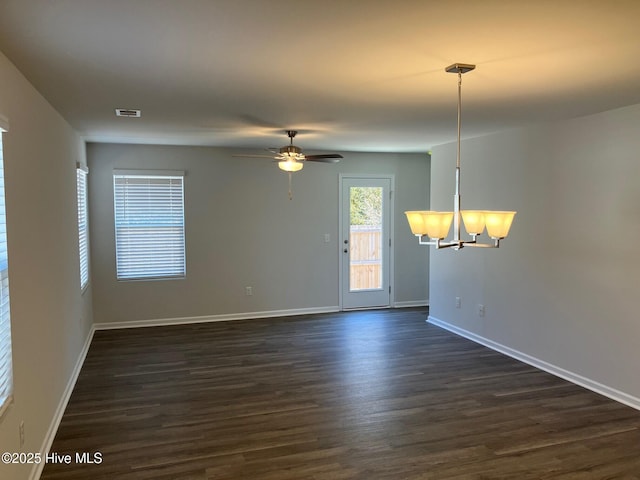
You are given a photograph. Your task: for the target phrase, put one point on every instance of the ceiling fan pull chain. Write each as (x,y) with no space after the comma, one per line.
(290,189)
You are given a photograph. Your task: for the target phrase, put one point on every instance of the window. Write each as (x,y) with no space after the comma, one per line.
(83,225)
(6,374)
(149,218)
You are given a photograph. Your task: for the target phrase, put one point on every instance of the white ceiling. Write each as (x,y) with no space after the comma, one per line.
(363,75)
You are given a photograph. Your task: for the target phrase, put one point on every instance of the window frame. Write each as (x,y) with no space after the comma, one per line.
(82,173)
(164,239)
(6,357)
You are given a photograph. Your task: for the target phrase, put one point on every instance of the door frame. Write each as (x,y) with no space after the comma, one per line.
(341,256)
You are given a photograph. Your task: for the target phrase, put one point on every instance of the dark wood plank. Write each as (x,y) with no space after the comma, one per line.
(366,395)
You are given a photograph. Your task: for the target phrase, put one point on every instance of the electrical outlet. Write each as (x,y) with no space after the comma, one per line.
(458,302)
(21,428)
(327,238)
(480,310)
(248,291)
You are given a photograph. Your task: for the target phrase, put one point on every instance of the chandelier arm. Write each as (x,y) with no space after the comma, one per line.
(495,244)
(455,245)
(422,241)
(437,242)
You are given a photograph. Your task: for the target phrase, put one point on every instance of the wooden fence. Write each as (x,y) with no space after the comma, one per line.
(366,257)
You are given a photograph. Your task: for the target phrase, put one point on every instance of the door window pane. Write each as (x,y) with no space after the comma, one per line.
(365,238)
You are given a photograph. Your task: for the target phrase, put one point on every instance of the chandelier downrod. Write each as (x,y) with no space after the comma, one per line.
(456,204)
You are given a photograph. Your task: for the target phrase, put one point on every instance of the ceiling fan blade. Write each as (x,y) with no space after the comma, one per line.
(326,158)
(252,156)
(255,121)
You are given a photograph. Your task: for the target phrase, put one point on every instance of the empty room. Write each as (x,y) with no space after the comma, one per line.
(289,240)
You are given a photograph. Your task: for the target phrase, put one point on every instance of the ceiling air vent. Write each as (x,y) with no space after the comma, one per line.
(127,112)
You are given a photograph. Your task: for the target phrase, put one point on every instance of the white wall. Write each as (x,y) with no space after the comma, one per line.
(50,318)
(563,287)
(241,230)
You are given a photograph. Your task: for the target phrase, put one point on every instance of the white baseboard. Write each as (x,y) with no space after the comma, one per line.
(572,377)
(412,303)
(36,471)
(215,318)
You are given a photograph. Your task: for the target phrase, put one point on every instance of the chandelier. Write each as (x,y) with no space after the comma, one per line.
(432,227)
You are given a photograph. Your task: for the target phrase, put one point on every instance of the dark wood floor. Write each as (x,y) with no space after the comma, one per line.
(360,395)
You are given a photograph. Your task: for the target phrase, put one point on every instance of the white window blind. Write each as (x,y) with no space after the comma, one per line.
(83,226)
(6,375)
(149,218)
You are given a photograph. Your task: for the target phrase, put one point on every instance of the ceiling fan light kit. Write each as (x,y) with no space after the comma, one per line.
(290,157)
(290,165)
(432,227)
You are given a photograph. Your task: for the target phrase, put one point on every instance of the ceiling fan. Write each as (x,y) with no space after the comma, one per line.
(291,159)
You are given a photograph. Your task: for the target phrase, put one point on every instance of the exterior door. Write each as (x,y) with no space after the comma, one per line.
(365,241)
